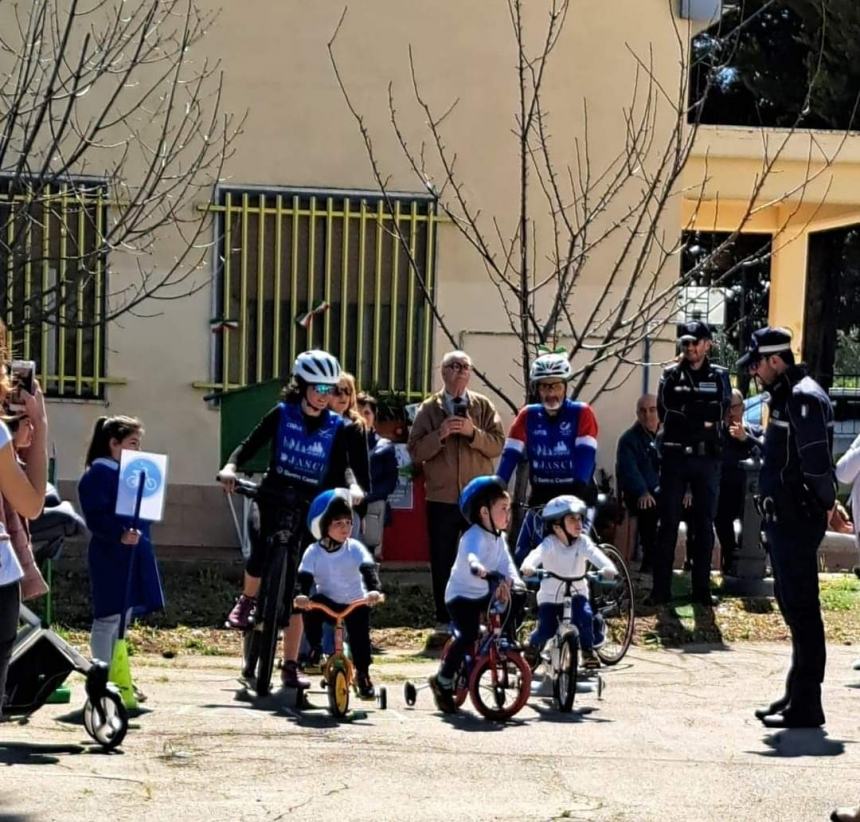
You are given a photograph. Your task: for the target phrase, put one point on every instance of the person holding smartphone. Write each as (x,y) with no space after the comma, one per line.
(312,449)
(23,489)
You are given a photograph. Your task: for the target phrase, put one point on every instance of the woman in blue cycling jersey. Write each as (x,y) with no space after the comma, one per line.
(312,449)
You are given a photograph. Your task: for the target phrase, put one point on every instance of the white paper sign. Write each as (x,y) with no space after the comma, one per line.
(131,466)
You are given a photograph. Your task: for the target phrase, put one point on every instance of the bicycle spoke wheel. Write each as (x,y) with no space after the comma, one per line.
(500,684)
(338,693)
(271,608)
(614,604)
(564,679)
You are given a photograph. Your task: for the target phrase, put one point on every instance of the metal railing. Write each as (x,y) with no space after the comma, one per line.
(287,254)
(53,282)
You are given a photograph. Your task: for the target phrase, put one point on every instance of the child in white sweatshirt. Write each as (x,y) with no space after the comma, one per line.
(565,550)
(483,550)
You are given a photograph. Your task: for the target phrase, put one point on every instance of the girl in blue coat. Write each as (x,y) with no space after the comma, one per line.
(117,548)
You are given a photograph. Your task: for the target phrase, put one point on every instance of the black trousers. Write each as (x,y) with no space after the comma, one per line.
(729,508)
(647,520)
(10,603)
(702,476)
(466,615)
(357,626)
(793,545)
(445,524)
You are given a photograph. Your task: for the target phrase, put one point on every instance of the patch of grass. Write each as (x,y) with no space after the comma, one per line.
(840,594)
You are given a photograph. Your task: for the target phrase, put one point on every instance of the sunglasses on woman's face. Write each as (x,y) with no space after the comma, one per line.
(324,388)
(341,392)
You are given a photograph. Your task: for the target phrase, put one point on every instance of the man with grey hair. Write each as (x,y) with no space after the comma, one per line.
(456,435)
(638,471)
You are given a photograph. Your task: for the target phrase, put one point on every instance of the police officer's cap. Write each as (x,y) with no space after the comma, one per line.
(765,341)
(694,331)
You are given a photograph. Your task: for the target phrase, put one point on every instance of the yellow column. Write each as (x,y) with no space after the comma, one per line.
(788,281)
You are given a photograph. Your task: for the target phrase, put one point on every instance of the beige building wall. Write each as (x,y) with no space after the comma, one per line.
(299,133)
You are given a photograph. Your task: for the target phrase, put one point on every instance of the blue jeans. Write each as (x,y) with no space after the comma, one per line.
(549,616)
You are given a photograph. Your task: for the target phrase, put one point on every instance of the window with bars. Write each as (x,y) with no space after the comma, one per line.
(53,282)
(324,269)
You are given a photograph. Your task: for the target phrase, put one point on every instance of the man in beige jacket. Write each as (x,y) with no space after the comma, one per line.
(455,437)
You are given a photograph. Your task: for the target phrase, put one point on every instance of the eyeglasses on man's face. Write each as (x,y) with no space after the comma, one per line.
(458,366)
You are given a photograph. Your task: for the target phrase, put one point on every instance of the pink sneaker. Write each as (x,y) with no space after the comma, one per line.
(242,616)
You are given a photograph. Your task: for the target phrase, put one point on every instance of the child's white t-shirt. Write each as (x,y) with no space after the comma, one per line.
(569,561)
(479,545)
(10,568)
(337,574)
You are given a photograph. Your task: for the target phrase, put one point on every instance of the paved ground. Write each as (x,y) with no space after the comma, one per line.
(673,739)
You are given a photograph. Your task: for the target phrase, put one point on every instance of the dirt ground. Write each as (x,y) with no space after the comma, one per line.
(673,738)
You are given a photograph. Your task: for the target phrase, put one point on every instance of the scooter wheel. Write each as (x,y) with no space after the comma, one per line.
(108,723)
(410,694)
(382,697)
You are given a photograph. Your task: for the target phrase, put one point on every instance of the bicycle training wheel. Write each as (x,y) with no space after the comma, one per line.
(109,728)
(614,603)
(461,678)
(338,693)
(500,684)
(271,610)
(564,679)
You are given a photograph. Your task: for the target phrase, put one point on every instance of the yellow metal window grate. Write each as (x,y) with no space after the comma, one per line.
(334,255)
(53,282)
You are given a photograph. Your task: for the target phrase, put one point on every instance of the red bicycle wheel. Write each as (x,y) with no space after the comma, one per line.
(500,684)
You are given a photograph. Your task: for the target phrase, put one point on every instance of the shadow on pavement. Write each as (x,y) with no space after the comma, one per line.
(802,742)
(32,753)
(578,715)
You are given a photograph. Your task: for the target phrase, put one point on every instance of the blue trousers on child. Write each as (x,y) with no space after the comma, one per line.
(549,616)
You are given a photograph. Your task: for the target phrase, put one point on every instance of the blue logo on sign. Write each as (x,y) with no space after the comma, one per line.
(131,476)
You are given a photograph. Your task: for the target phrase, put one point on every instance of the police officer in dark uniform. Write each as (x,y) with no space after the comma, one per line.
(797,490)
(692,399)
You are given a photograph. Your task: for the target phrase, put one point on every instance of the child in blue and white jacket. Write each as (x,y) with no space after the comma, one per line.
(566,551)
(337,570)
(483,550)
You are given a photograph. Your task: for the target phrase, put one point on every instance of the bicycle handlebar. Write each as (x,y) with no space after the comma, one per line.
(543,573)
(356,603)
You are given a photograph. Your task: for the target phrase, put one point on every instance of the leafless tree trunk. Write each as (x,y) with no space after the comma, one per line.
(582,206)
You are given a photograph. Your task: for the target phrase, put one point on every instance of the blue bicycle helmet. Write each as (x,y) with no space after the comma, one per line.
(325,507)
(481,491)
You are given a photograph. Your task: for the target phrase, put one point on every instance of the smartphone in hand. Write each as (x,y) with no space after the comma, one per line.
(22,374)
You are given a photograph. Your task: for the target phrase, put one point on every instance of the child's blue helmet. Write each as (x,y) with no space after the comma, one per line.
(327,506)
(481,491)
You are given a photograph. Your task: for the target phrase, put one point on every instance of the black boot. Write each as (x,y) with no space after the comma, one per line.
(774,708)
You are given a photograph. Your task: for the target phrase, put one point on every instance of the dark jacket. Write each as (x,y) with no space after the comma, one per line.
(110,562)
(798,445)
(383,467)
(692,404)
(637,463)
(735,451)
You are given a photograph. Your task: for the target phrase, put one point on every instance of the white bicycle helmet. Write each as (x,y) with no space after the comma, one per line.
(559,507)
(550,366)
(317,367)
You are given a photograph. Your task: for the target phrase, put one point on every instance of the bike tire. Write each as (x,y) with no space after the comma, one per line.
(616,608)
(338,693)
(250,654)
(461,678)
(509,684)
(564,678)
(271,609)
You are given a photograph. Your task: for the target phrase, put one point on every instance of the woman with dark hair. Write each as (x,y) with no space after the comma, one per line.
(312,449)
